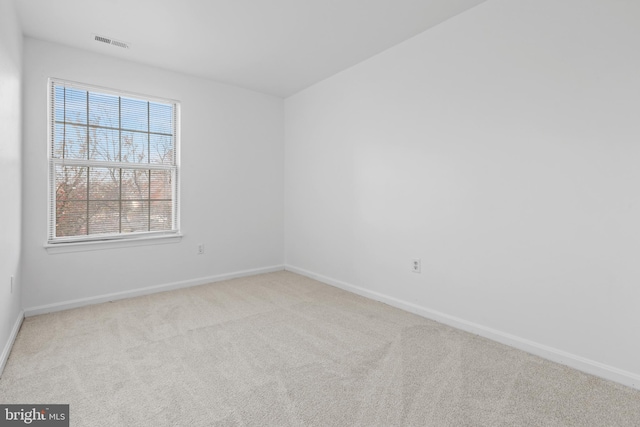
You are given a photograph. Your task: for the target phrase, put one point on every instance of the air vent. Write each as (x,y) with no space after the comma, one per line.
(113,42)
(119,44)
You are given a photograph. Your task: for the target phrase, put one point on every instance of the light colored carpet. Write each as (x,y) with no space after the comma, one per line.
(280,349)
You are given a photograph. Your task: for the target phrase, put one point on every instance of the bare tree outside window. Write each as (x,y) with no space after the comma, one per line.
(113,164)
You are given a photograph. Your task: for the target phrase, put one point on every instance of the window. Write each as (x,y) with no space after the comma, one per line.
(113,164)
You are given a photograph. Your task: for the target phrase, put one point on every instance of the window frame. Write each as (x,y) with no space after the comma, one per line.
(99,241)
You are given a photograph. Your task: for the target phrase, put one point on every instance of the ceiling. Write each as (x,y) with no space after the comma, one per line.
(277,47)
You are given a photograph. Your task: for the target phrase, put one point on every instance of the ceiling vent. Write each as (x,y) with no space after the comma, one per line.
(110,41)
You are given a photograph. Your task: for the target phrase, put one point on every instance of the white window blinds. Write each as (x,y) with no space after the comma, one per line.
(113,164)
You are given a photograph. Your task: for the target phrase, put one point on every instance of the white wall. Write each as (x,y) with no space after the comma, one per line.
(503,148)
(231,182)
(10,174)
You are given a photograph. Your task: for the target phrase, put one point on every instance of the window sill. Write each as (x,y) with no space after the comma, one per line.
(61,248)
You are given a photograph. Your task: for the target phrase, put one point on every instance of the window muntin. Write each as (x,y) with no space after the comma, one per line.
(113,164)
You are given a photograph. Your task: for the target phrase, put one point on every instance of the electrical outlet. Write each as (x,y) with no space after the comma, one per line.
(200,248)
(11,284)
(416,265)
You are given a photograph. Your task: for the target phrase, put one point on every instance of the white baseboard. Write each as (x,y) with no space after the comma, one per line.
(66,305)
(592,367)
(9,344)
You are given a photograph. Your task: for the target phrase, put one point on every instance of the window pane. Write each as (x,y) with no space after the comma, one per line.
(160,118)
(161,216)
(135,216)
(104,144)
(161,147)
(104,217)
(104,184)
(161,185)
(75,105)
(104,110)
(135,184)
(135,147)
(134,114)
(71,183)
(58,139)
(75,142)
(71,218)
(58,103)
